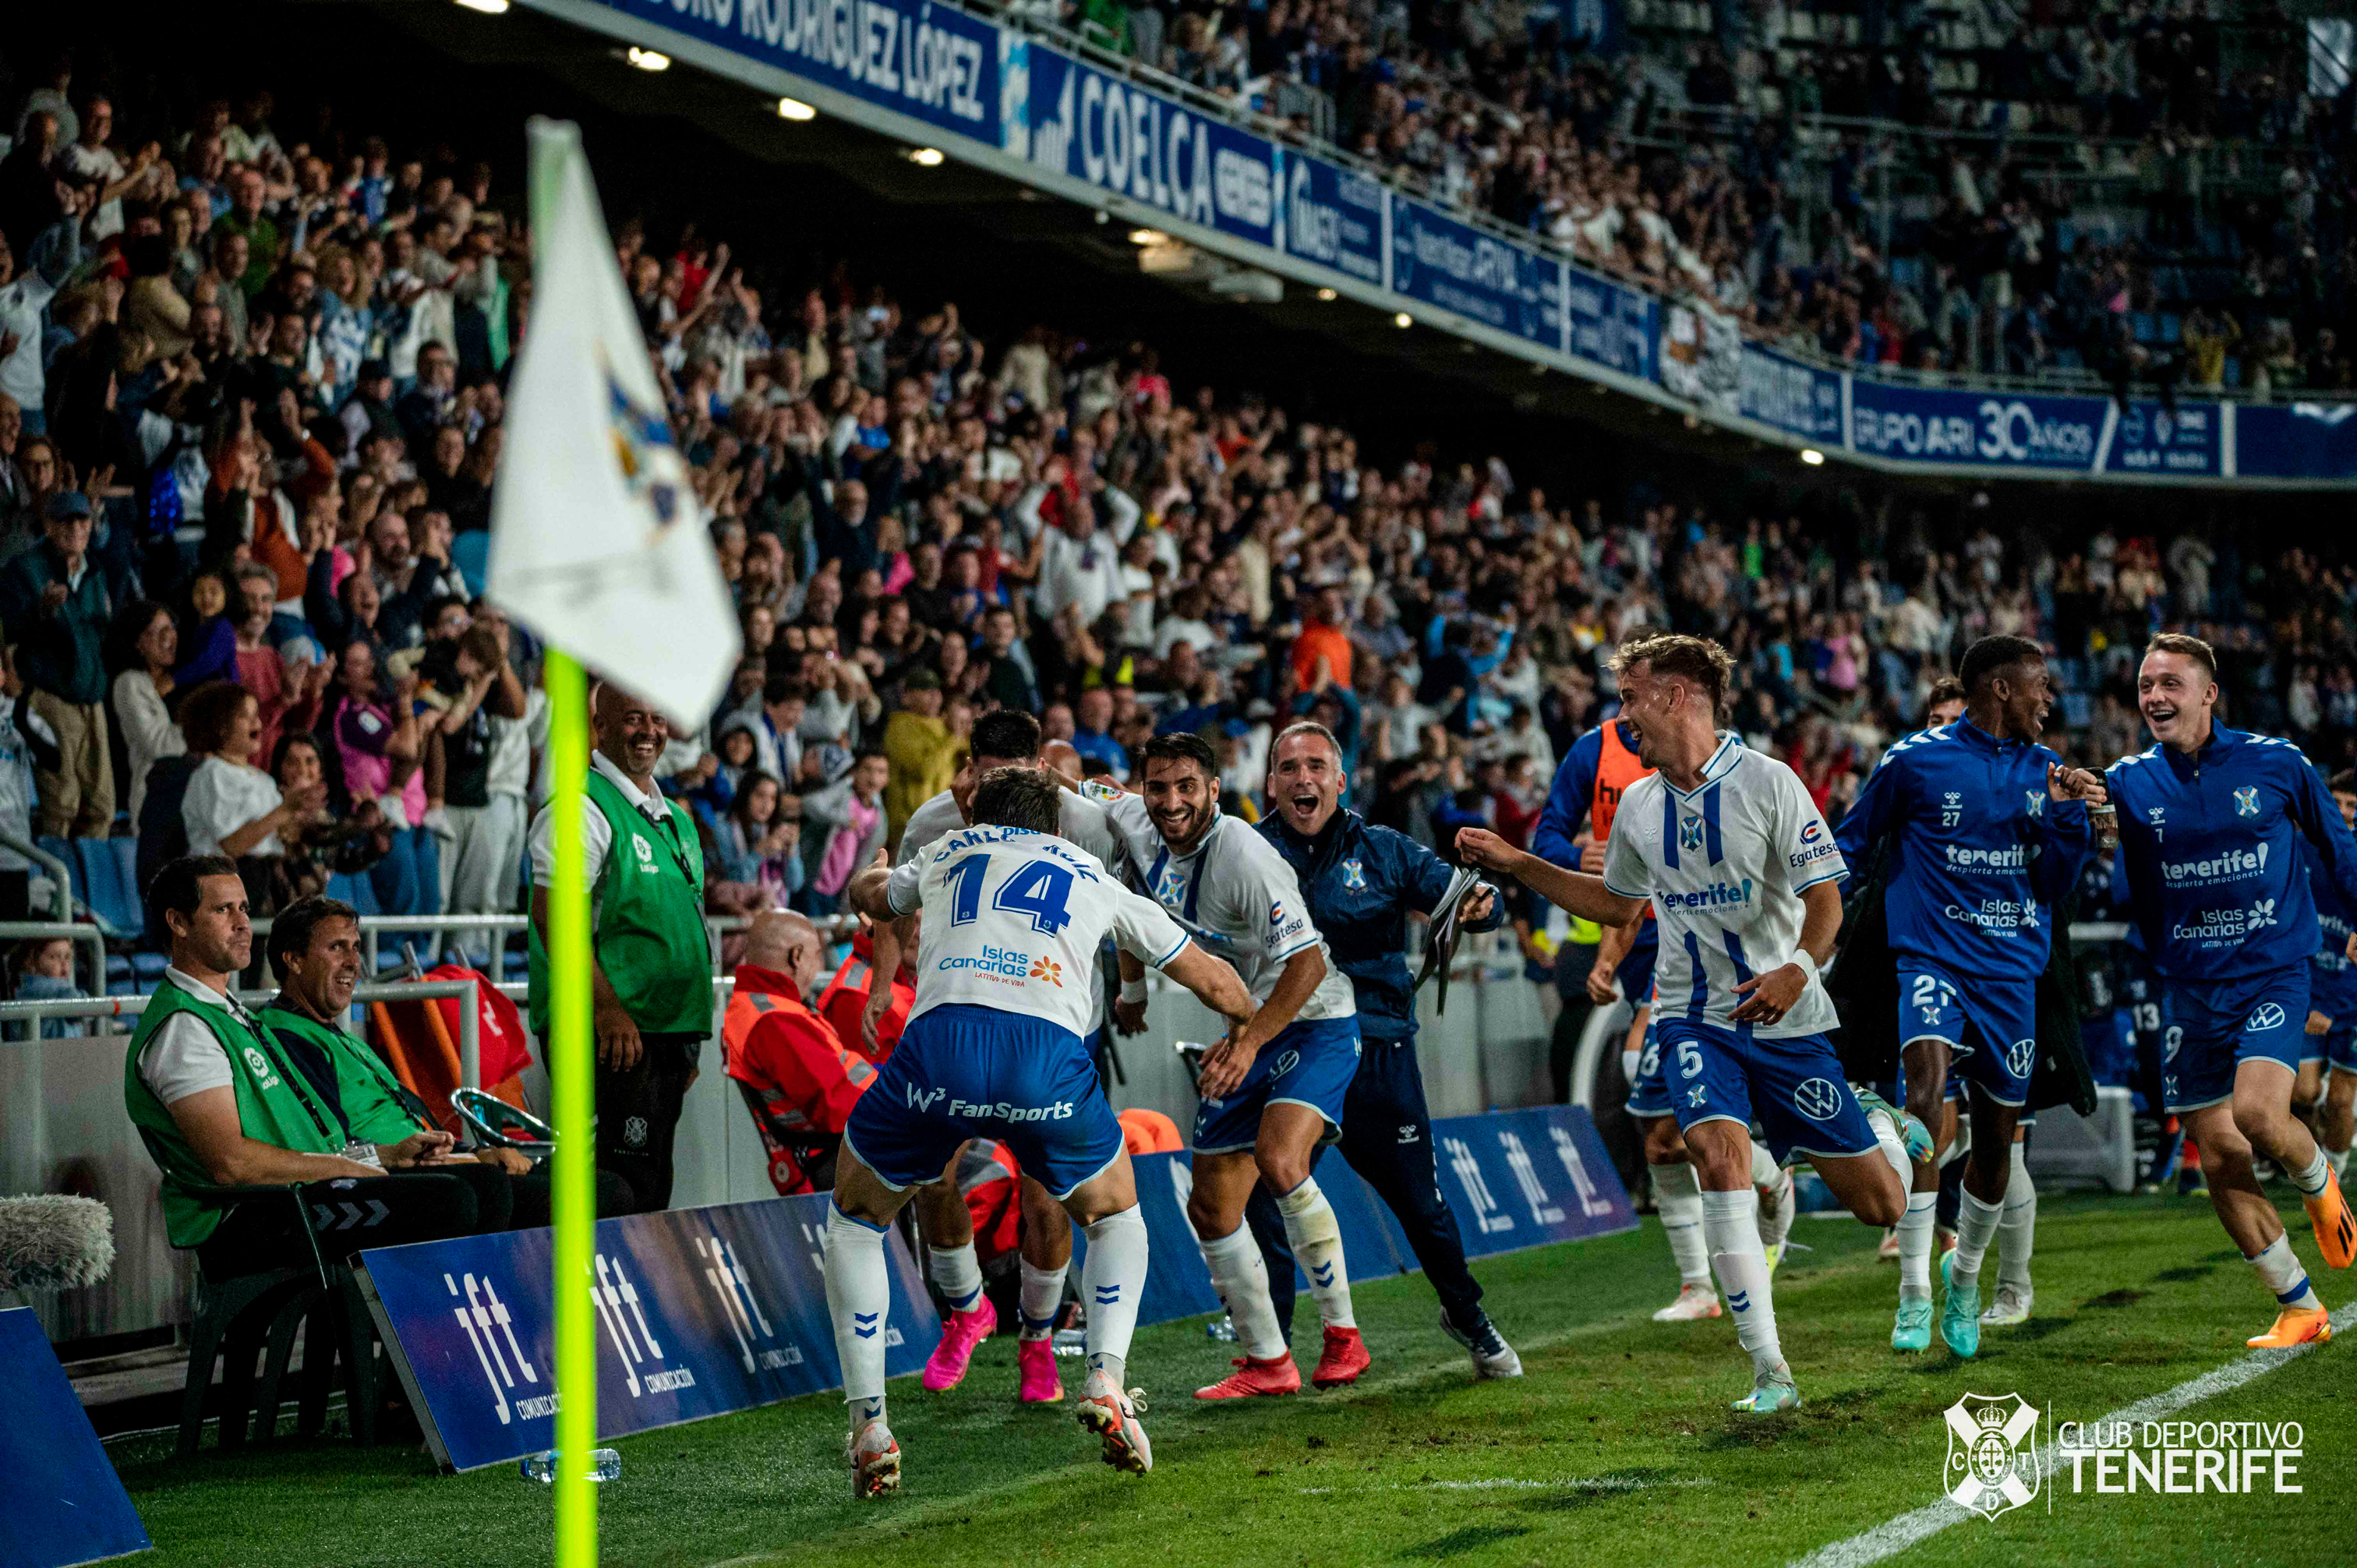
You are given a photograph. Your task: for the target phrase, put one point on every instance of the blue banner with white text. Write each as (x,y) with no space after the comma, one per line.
(2297,440)
(931,62)
(1799,399)
(1334,217)
(1116,134)
(1971,429)
(699,1312)
(1440,262)
(1611,325)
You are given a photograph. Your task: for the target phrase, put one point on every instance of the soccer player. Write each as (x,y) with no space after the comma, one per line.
(1360,882)
(1003,739)
(1986,830)
(1270,1090)
(2332,1010)
(1013,915)
(2210,821)
(1741,872)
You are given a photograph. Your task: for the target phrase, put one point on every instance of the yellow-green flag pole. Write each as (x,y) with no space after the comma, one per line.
(574,1188)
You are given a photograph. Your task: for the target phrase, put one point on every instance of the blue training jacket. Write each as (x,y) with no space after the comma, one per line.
(2333,983)
(2212,846)
(1980,855)
(1568,799)
(1360,881)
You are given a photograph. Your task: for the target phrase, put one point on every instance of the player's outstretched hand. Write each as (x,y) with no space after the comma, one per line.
(1479,846)
(2076,784)
(871,1016)
(1224,1067)
(1768,997)
(1603,988)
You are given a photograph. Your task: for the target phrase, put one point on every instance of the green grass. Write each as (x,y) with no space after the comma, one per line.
(1617,1448)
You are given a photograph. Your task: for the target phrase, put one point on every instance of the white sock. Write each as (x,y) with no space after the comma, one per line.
(2312,1181)
(1043,1294)
(2017,1234)
(1240,1277)
(1976,1228)
(2339,1160)
(2281,1273)
(1764,1168)
(1915,1246)
(858,1294)
(1888,1138)
(1730,1223)
(1112,1277)
(958,1272)
(1773,1231)
(1677,1194)
(1316,1240)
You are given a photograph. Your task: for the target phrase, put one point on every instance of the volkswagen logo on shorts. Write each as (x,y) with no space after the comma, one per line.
(1818,1099)
(2020,1057)
(2267,1015)
(1287,1063)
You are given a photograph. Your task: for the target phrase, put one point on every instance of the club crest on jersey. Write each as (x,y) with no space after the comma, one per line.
(1991,1466)
(1689,833)
(1818,1099)
(1354,876)
(2246,800)
(2036,800)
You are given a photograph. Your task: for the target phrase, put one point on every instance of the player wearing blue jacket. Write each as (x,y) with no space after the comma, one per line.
(2209,821)
(2332,1006)
(1987,828)
(1360,882)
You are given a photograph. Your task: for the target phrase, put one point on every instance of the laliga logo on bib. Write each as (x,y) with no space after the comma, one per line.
(646,851)
(1818,1099)
(1987,1472)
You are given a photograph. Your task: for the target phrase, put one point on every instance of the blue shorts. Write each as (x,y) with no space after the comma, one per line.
(968,1071)
(2221,1024)
(1311,1062)
(1990,1028)
(1649,1095)
(1636,970)
(2331,994)
(1793,1088)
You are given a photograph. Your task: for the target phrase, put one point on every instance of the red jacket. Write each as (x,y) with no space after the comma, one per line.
(793,1061)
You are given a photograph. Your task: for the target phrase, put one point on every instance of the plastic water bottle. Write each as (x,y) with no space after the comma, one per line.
(604,1464)
(1223,1329)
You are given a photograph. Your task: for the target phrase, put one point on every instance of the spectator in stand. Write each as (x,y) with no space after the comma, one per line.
(142,646)
(850,811)
(55,605)
(232,808)
(22,738)
(755,861)
(923,752)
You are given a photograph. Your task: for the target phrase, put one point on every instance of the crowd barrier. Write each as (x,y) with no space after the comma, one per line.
(1039,106)
(705,1311)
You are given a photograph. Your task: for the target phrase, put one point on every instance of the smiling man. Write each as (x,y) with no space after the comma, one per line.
(651,962)
(2210,821)
(1272,1088)
(1360,882)
(1988,829)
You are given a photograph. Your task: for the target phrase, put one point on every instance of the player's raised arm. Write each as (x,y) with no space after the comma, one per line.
(1576,892)
(1214,982)
(885,892)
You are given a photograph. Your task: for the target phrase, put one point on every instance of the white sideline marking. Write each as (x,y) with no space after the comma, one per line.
(1896,1535)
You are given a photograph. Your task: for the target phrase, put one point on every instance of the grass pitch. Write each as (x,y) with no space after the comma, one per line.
(1617,1448)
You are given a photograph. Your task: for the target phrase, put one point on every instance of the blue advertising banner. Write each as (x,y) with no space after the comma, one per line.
(700,1312)
(2296,441)
(1444,263)
(1790,395)
(1975,429)
(66,1504)
(1611,325)
(1076,120)
(913,57)
(2183,442)
(1334,218)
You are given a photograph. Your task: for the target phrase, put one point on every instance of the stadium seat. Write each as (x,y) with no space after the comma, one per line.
(106,890)
(63,850)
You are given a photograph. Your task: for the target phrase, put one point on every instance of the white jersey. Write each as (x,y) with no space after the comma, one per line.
(1013,920)
(1723,865)
(1236,896)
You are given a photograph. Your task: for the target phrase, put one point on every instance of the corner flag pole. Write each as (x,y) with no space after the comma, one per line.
(574,1188)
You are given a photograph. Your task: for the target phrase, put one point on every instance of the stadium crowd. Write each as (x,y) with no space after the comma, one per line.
(1685,164)
(251,409)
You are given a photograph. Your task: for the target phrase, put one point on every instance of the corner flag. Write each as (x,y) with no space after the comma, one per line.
(598,546)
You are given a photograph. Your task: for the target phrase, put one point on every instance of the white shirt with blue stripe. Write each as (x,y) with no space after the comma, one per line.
(1013,920)
(1724,865)
(1237,898)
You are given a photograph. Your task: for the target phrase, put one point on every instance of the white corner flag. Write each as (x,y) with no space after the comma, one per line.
(598,544)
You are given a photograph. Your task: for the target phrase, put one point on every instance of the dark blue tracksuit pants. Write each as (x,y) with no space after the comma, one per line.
(1388,1139)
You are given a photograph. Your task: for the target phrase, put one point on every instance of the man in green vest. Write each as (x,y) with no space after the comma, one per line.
(220,1105)
(650,959)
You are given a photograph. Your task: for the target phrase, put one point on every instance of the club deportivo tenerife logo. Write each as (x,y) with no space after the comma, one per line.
(1355,875)
(2247,801)
(1991,1467)
(1689,833)
(653,468)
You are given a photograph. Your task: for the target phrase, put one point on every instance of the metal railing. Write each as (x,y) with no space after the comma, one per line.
(79,933)
(60,876)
